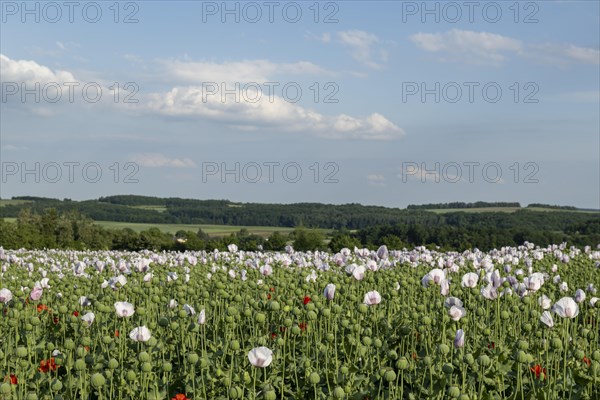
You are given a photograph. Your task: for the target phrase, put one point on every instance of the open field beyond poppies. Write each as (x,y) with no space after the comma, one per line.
(516,323)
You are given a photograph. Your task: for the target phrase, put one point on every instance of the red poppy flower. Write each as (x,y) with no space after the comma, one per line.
(538,370)
(180,396)
(306,300)
(268,296)
(492,346)
(42,307)
(48,365)
(13,379)
(273,335)
(76,313)
(272,289)
(587,361)
(303,326)
(55,320)
(116,333)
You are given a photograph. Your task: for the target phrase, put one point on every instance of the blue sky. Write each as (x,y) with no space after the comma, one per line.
(386,103)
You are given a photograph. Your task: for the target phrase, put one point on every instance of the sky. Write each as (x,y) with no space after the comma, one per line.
(385,103)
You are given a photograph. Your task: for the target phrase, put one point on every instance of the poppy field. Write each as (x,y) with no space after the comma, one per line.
(514,323)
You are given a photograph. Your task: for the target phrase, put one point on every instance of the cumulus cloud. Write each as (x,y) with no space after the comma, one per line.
(376,180)
(31,72)
(269,113)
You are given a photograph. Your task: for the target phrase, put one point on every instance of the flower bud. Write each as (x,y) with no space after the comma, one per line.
(389,376)
(144,357)
(113,363)
(80,364)
(146,367)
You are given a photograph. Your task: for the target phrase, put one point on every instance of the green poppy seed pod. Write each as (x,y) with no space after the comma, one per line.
(80,352)
(262,341)
(28,327)
(167,367)
(56,385)
(152,341)
(356,328)
(106,339)
(24,363)
(247,379)
(235,345)
(428,360)
(297,311)
(392,355)
(203,363)
(522,345)
(5,388)
(130,376)
(226,381)
(234,393)
(469,359)
(525,300)
(339,393)
(596,355)
(296,330)
(69,344)
(311,315)
(326,312)
(31,396)
(13,322)
(86,341)
(363,308)
(144,357)
(367,341)
(480,312)
(274,306)
(521,356)
(389,376)
(402,363)
(63,309)
(80,364)
(22,352)
(426,320)
(595,368)
(260,318)
(98,380)
(453,392)
(192,358)
(146,367)
(113,363)
(337,308)
(174,325)
(280,342)
(579,354)
(182,314)
(314,378)
(484,360)
(345,323)
(270,395)
(448,369)
(247,312)
(556,344)
(141,311)
(35,321)
(527,327)
(421,308)
(444,349)
(162,321)
(463,397)
(344,370)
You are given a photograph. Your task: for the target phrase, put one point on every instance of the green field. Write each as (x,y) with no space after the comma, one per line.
(10,202)
(502,209)
(212,230)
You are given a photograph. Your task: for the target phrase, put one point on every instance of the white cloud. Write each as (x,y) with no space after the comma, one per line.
(157,160)
(31,72)
(461,45)
(265,114)
(242,71)
(361,44)
(490,48)
(376,180)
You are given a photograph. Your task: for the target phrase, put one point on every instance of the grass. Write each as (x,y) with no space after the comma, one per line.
(503,209)
(211,230)
(153,208)
(10,202)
